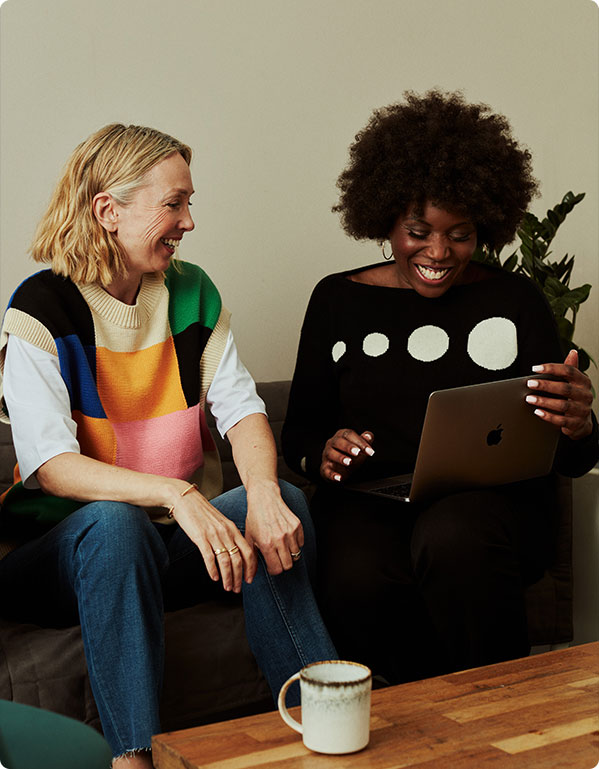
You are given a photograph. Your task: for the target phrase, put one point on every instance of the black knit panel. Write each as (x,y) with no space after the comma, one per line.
(57,303)
(189,346)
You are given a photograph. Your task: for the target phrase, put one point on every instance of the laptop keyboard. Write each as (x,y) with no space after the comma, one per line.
(399,490)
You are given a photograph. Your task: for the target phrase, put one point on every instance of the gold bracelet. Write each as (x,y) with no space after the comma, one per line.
(191,487)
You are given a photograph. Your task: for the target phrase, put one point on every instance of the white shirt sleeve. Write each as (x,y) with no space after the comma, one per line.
(232,394)
(39,407)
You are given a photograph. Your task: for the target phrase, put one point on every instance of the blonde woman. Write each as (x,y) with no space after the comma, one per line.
(110,359)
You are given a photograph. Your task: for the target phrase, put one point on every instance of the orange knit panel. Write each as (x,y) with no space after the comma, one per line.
(96,437)
(139,385)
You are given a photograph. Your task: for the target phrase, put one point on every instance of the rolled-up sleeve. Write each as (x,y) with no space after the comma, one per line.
(39,407)
(232,394)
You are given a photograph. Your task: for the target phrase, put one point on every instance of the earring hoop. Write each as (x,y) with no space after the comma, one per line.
(387,258)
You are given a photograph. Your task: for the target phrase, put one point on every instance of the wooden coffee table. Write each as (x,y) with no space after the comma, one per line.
(540,712)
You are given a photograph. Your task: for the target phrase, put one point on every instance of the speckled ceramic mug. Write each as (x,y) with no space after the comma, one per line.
(335,698)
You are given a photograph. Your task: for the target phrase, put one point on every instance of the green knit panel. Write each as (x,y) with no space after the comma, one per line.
(193,297)
(36,506)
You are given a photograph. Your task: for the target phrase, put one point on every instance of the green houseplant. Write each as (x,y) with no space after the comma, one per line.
(531,259)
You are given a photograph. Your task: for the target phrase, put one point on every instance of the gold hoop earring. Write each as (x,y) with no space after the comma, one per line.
(387,258)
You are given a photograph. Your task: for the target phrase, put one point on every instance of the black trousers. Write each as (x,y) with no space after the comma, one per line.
(416,591)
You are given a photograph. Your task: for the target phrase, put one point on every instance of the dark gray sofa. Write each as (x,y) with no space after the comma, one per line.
(210,673)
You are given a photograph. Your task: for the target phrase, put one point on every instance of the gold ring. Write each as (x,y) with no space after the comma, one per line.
(296,556)
(233,550)
(220,551)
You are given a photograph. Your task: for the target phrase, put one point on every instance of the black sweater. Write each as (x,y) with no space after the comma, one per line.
(369,356)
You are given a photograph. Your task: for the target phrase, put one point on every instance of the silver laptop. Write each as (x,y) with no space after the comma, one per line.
(475,436)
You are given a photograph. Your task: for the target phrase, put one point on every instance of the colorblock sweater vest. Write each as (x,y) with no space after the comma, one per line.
(136,375)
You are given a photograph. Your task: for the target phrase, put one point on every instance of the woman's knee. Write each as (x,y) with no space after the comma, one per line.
(112,517)
(459,529)
(292,495)
(116,528)
(233,504)
(295,499)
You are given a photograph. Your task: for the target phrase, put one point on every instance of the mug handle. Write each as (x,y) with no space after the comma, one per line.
(283,707)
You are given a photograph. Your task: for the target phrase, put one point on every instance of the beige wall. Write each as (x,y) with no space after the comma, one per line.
(269,93)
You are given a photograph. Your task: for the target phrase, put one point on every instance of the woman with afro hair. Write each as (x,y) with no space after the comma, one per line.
(414,590)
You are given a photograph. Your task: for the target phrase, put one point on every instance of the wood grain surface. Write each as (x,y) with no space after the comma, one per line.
(539,712)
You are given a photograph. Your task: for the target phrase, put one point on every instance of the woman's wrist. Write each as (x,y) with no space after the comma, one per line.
(584,431)
(169,494)
(260,488)
(191,487)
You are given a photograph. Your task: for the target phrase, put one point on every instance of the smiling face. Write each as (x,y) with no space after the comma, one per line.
(432,248)
(150,227)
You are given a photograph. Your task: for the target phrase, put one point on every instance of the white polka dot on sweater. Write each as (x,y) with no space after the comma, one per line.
(375,344)
(493,343)
(338,350)
(428,343)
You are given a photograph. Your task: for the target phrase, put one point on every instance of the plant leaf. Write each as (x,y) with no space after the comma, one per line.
(580,294)
(510,263)
(531,258)
(554,287)
(584,359)
(565,328)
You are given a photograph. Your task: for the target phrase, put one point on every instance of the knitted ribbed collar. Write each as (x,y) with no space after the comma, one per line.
(119,313)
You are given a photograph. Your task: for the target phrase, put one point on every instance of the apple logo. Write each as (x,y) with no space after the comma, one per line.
(494,437)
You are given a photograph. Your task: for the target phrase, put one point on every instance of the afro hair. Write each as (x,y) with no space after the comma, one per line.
(437,148)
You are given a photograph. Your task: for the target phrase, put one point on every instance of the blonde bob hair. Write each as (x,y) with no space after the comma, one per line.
(115,160)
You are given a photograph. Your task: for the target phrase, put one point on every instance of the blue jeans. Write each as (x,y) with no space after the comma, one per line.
(110,568)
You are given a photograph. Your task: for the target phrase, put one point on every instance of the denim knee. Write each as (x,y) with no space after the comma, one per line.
(295,499)
(119,532)
(233,504)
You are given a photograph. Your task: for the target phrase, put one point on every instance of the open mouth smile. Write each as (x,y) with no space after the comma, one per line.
(432,273)
(170,243)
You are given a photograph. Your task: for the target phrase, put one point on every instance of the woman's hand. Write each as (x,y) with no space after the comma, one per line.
(570,405)
(272,527)
(225,551)
(79,477)
(342,453)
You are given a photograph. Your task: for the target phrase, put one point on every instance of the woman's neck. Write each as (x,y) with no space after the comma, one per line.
(125,289)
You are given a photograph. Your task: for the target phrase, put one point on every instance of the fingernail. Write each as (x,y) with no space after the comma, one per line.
(346,461)
(538,369)
(355,451)
(368,436)
(539,413)
(532,383)
(369,451)
(531,399)
(336,477)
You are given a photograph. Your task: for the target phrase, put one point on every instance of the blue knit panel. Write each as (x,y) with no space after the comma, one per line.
(78,368)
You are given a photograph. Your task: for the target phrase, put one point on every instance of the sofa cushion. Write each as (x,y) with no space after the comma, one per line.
(45,667)
(210,672)
(7,457)
(549,601)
